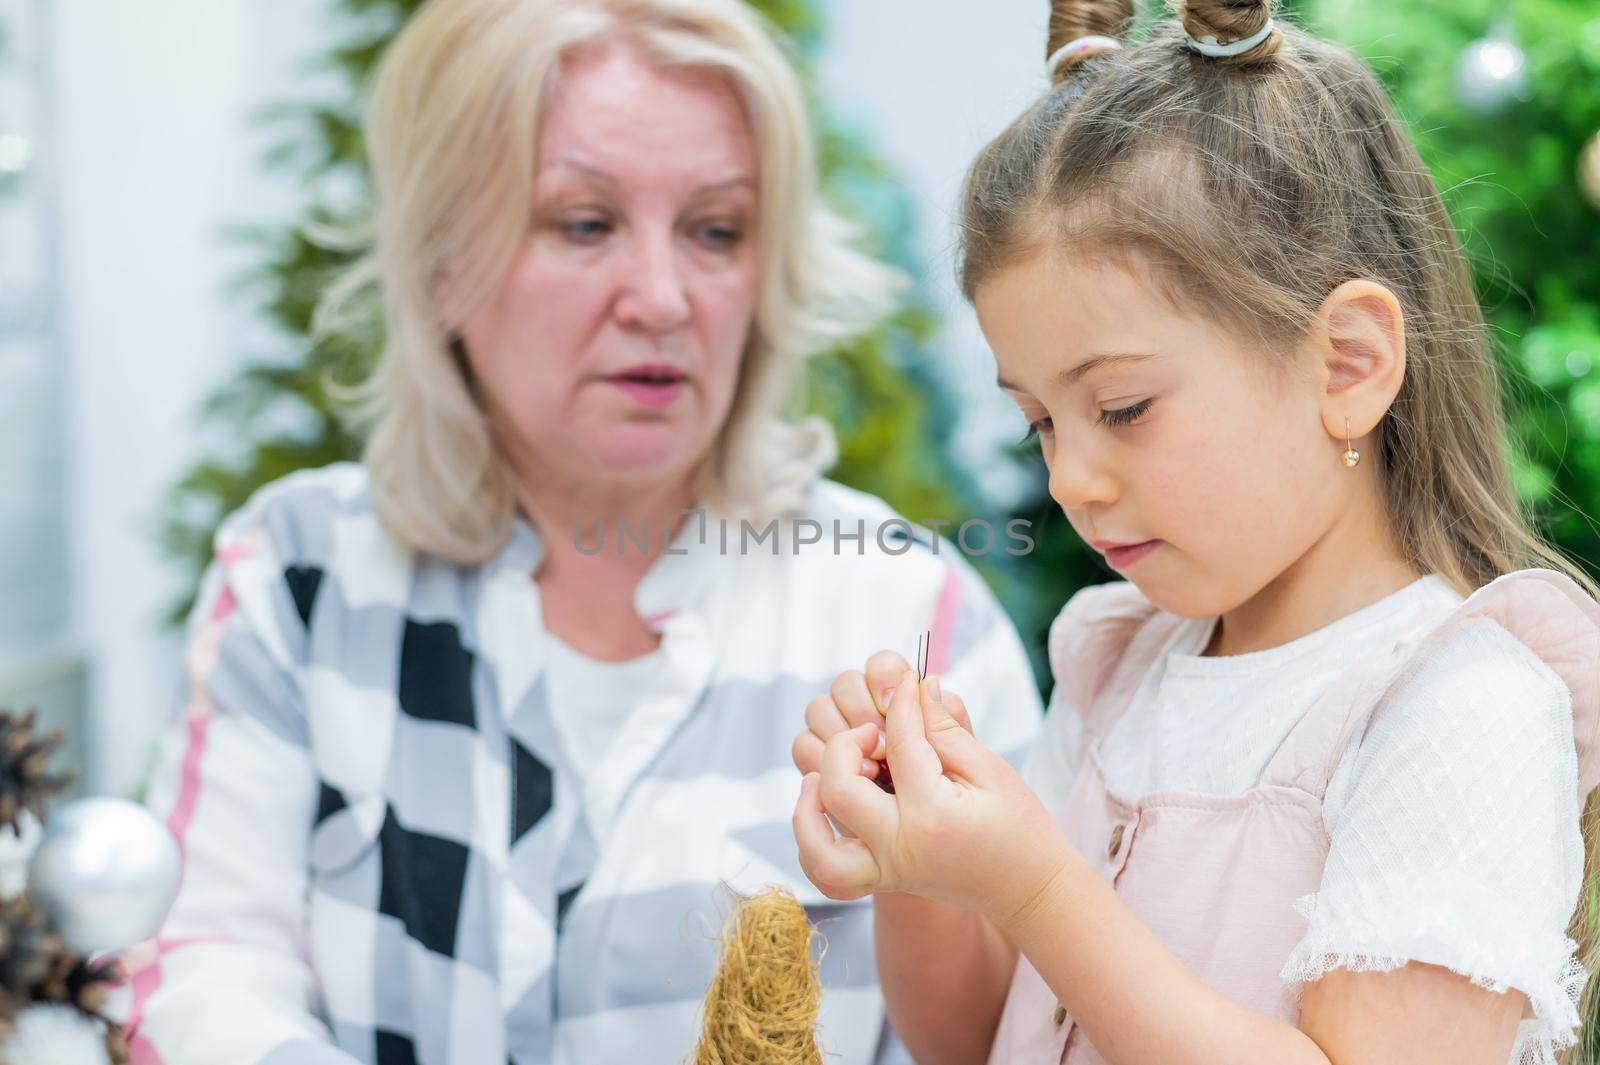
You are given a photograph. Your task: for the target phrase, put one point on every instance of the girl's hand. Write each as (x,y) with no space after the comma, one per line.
(858,698)
(962,827)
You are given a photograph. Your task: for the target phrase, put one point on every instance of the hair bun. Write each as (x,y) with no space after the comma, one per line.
(1229,21)
(1071,20)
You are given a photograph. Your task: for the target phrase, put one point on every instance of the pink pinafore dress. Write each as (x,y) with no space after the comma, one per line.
(1216,877)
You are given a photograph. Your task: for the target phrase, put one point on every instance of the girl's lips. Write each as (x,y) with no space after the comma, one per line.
(1123,557)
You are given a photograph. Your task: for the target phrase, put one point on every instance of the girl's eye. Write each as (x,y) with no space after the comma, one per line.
(1125,415)
(585,230)
(1036,429)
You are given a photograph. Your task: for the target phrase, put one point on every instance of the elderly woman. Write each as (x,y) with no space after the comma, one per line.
(483,729)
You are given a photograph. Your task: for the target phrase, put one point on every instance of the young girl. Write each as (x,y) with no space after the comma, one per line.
(1312,783)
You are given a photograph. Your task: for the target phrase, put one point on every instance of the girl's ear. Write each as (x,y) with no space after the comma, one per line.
(1358,341)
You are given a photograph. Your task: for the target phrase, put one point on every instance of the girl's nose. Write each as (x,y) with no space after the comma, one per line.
(654,297)
(1077,481)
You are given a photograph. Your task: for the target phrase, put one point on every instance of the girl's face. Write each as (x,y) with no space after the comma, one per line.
(1162,430)
(611,351)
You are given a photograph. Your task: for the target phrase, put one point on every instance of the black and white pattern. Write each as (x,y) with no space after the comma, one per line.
(386,858)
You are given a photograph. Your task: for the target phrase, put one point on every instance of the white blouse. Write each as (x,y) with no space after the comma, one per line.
(590,700)
(1453,817)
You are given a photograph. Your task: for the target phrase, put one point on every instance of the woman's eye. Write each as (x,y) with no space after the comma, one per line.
(1036,429)
(585,230)
(1125,415)
(719,236)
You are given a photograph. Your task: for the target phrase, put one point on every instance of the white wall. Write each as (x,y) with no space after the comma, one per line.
(33,561)
(157,155)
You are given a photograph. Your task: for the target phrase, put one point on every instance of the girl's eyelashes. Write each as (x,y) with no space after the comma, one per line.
(1118,417)
(1125,415)
(1035,429)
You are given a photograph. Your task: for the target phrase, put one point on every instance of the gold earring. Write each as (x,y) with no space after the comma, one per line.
(1351,455)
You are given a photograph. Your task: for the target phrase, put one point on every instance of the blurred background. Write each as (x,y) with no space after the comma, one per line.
(159,164)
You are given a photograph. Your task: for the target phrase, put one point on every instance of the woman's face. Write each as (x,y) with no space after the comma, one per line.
(610,354)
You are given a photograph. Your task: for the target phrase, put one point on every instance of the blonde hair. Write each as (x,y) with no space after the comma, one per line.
(1253,186)
(451,134)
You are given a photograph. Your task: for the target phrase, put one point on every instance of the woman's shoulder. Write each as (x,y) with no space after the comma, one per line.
(868,552)
(859,527)
(313,522)
(828,501)
(305,502)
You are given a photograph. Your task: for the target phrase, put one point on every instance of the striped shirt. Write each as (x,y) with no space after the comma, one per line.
(387,857)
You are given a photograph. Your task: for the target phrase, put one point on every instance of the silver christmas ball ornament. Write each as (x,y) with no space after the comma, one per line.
(1492,73)
(107,872)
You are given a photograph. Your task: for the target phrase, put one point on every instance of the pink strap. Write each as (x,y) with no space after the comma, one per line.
(1309,754)
(1101,645)
(1546,610)
(1134,660)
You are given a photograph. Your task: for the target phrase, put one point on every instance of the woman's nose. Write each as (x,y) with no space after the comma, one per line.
(654,298)
(1077,480)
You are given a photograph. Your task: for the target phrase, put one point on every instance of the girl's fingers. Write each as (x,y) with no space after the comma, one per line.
(824,718)
(807,752)
(841,868)
(866,737)
(847,794)
(957,708)
(849,693)
(912,760)
(958,750)
(883,674)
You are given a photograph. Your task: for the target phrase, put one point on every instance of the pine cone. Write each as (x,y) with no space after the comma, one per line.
(31,954)
(24,782)
(89,983)
(36,965)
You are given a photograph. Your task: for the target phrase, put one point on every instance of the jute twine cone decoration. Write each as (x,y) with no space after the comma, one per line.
(761,1008)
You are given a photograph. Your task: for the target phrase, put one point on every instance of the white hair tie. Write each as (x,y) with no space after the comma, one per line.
(1209,46)
(1079,45)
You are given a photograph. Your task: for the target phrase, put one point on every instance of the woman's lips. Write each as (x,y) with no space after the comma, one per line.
(653,386)
(1122,557)
(651,393)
